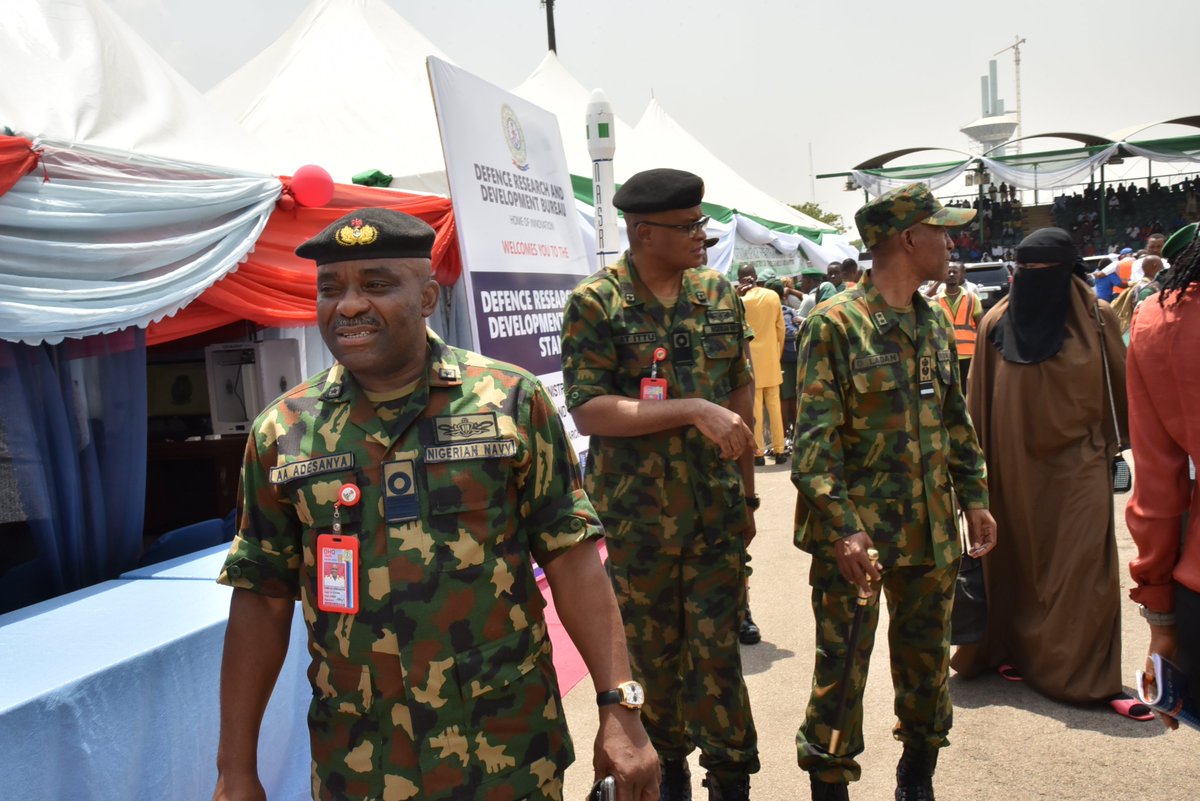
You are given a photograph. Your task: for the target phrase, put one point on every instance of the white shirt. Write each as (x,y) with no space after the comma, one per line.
(1137,274)
(1111,267)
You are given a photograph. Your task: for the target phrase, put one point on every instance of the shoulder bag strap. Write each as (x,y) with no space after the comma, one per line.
(1112,404)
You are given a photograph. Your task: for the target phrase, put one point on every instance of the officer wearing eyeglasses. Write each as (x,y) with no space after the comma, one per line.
(656,373)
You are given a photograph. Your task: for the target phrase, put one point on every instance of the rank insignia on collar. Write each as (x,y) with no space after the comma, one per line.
(334,391)
(447,373)
(700,298)
(880,319)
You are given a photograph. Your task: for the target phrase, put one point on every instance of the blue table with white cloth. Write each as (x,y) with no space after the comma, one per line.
(112,692)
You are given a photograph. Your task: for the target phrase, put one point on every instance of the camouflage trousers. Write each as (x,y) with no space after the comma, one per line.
(681,614)
(919,601)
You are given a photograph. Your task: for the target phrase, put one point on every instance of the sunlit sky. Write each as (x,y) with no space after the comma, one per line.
(759,82)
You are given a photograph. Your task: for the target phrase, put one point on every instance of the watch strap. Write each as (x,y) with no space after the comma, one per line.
(609,697)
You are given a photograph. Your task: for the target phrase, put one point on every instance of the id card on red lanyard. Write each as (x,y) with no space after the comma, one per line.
(337,573)
(654,388)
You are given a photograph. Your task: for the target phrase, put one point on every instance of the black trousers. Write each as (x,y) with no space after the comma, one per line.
(1187,628)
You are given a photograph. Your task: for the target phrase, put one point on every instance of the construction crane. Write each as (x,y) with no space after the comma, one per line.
(1016,48)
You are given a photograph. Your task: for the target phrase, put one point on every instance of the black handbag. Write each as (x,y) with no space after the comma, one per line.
(968,620)
(968,617)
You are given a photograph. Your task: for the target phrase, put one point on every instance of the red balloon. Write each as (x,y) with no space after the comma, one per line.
(312,186)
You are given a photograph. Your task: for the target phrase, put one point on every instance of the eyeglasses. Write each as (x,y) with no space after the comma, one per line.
(691,229)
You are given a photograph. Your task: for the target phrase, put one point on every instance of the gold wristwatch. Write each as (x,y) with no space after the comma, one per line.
(628,694)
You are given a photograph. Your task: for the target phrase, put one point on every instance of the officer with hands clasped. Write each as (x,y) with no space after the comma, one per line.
(655,370)
(399,496)
(882,438)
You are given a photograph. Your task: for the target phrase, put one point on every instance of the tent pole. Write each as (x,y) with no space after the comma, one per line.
(549,4)
(1103,213)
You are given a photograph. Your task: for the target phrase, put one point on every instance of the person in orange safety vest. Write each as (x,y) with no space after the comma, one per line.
(965,311)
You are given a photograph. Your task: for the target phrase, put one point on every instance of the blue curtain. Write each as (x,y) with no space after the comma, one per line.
(74,415)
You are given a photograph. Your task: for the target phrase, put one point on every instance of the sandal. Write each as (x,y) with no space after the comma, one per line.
(1132,709)
(1009,673)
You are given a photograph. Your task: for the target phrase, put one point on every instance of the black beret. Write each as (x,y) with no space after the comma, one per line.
(662,189)
(370,234)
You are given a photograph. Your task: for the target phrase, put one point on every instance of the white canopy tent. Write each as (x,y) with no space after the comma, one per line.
(660,141)
(553,88)
(74,71)
(346,86)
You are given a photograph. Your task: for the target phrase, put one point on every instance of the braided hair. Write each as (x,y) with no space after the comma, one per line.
(1183,273)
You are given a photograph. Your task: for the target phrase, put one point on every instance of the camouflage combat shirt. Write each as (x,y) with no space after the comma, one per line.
(442,685)
(882,432)
(612,325)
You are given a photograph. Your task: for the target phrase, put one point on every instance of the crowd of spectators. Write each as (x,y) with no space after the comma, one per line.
(999,220)
(1131,213)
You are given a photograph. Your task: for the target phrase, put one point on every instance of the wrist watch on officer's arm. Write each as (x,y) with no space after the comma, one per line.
(628,694)
(753,501)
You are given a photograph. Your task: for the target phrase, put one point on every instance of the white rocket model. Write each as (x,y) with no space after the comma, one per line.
(602,144)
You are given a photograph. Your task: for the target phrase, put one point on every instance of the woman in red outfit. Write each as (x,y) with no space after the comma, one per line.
(1164,421)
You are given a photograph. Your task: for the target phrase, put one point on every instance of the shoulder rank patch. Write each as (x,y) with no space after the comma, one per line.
(925,369)
(719,315)
(311,467)
(867,362)
(465,428)
(493,449)
(722,328)
(880,319)
(943,355)
(636,338)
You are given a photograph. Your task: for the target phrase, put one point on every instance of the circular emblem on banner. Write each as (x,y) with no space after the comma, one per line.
(514,137)
(349,494)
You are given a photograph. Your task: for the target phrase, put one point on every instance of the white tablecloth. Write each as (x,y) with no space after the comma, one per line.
(111,692)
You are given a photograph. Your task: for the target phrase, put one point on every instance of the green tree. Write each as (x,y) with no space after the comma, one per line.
(817,213)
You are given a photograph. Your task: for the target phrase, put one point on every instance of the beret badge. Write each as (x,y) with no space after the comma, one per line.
(356,233)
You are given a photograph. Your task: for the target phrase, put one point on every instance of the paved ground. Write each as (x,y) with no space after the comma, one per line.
(1008,743)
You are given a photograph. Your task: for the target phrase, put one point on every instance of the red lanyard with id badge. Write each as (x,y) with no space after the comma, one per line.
(337,560)
(655,388)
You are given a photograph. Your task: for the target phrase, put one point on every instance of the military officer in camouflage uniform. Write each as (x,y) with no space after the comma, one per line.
(882,439)
(672,476)
(399,496)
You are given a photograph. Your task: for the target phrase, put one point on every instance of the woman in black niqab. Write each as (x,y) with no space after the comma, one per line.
(1034,324)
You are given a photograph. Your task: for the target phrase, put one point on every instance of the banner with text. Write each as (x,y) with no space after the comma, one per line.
(518,229)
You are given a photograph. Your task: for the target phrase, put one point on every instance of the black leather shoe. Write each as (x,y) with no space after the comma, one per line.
(828,791)
(781,458)
(760,461)
(914,774)
(676,781)
(728,788)
(748,633)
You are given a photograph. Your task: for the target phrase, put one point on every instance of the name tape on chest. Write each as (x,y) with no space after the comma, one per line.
(867,362)
(722,328)
(311,467)
(636,338)
(494,449)
(465,428)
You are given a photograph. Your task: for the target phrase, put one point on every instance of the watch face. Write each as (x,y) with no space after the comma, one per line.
(632,694)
